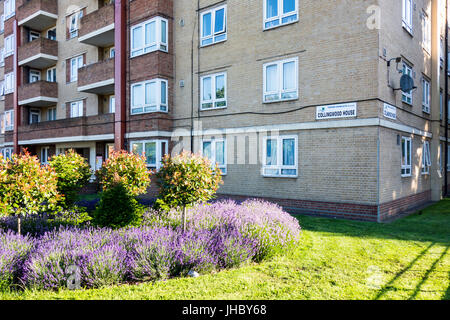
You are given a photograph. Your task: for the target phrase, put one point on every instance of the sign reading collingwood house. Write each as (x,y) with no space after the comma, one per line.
(390,112)
(346,110)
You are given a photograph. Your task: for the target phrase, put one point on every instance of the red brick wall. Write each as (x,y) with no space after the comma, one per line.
(39,88)
(391,209)
(30,7)
(96,20)
(41,45)
(96,72)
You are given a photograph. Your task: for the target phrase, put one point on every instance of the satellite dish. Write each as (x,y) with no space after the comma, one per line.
(406,83)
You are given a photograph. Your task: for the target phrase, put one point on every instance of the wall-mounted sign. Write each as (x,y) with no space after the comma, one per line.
(390,112)
(347,110)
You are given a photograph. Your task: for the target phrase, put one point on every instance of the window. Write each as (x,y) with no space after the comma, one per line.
(426,32)
(74,20)
(34,35)
(281,80)
(280,157)
(112,104)
(216,151)
(9,82)
(441,105)
(51,75)
(9,45)
(426,95)
(153,150)
(2,23)
(51,34)
(9,120)
(44,155)
(442,53)
(407,96)
(407,14)
(7,152)
(51,114)
(109,148)
(35,75)
(2,89)
(213,91)
(279,12)
(149,36)
(213,26)
(76,109)
(149,96)
(2,123)
(75,64)
(406,156)
(2,57)
(426,158)
(9,8)
(35,116)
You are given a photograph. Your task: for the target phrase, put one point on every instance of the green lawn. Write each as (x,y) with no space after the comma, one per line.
(337,259)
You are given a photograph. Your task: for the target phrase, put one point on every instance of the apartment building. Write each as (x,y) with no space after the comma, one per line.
(297,101)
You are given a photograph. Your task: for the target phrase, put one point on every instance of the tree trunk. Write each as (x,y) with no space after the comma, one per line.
(184,218)
(19,225)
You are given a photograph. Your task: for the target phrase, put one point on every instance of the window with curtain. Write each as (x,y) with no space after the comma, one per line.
(213,91)
(281,80)
(280,159)
(426,158)
(407,14)
(406,157)
(215,151)
(149,36)
(149,96)
(213,26)
(9,120)
(426,95)
(279,12)
(152,150)
(9,82)
(9,45)
(76,109)
(75,64)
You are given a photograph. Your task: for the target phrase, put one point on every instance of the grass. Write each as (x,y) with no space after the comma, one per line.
(337,259)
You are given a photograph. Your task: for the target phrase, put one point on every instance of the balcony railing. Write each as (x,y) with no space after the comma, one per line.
(97,28)
(38,14)
(40,53)
(97,78)
(38,94)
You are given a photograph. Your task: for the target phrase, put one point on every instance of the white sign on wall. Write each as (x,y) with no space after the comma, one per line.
(390,112)
(347,110)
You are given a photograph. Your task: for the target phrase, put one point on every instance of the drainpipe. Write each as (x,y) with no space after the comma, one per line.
(17,82)
(120,73)
(446,101)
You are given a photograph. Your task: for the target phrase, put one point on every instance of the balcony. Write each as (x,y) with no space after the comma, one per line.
(97,78)
(38,15)
(38,54)
(38,94)
(92,128)
(97,28)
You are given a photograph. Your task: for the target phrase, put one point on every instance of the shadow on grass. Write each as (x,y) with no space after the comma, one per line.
(447,293)
(431,224)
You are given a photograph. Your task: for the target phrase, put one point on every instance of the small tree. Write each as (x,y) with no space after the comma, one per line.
(26,187)
(126,168)
(123,177)
(186,179)
(73,173)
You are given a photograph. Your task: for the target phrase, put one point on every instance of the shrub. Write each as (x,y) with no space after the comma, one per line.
(26,188)
(125,168)
(186,179)
(73,173)
(118,209)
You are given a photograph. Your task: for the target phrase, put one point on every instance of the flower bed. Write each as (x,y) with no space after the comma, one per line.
(219,236)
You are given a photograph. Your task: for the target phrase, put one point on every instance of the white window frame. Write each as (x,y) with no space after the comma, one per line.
(9,83)
(2,23)
(279,166)
(9,45)
(107,153)
(426,32)
(407,97)
(33,36)
(74,24)
(151,47)
(77,106)
(75,64)
(9,118)
(9,8)
(159,152)
(159,107)
(7,152)
(222,167)
(34,112)
(214,34)
(280,78)
(280,15)
(2,89)
(34,73)
(214,100)
(112,104)
(426,158)
(426,95)
(48,34)
(407,15)
(2,123)
(44,155)
(2,56)
(406,168)
(50,113)
(51,74)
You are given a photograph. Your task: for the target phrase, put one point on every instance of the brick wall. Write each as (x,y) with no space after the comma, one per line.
(41,45)
(96,72)
(96,20)
(30,7)
(39,88)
